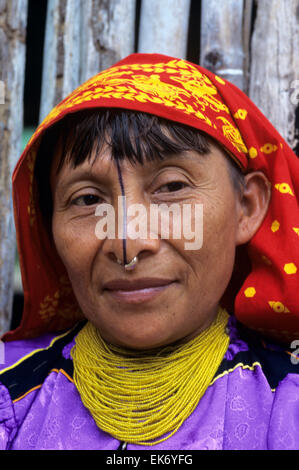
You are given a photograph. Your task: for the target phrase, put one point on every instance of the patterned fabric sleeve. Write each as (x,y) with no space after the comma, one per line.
(283,431)
(8,425)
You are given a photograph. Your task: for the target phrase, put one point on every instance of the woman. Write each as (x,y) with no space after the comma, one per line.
(137,342)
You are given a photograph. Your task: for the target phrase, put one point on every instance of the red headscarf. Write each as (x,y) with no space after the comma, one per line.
(267,298)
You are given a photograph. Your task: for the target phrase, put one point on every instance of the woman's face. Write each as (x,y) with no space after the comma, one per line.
(173,293)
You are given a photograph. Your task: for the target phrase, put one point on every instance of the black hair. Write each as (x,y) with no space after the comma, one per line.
(136,136)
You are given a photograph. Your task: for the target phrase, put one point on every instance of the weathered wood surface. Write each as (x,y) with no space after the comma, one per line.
(13,17)
(108,34)
(61,55)
(275,64)
(82,38)
(164,27)
(222,41)
(246,36)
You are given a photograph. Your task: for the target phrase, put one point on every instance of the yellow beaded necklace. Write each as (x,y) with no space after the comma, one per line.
(139,397)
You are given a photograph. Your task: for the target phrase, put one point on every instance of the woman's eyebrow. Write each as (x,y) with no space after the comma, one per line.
(79,175)
(187,155)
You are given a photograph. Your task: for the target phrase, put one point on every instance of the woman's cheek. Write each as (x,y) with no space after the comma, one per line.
(75,240)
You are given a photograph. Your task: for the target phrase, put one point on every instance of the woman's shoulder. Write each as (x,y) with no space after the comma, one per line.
(27,363)
(262,383)
(12,352)
(26,367)
(249,350)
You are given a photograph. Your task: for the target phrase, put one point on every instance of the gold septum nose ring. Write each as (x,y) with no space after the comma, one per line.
(129,266)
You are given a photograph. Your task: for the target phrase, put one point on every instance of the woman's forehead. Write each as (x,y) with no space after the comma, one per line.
(140,137)
(104,167)
(65,168)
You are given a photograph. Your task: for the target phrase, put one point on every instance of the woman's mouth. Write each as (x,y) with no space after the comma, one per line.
(136,291)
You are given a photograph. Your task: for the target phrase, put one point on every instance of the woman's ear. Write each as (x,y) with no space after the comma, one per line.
(253,204)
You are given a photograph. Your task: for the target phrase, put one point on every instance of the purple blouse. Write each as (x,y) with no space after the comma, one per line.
(252,403)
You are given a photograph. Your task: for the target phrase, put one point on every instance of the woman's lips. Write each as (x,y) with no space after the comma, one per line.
(140,290)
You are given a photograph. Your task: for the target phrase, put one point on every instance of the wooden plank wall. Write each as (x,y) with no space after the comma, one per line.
(253,43)
(275,64)
(164,27)
(83,37)
(13,15)
(222,47)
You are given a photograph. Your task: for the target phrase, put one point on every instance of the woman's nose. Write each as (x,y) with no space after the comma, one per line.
(125,250)
(133,236)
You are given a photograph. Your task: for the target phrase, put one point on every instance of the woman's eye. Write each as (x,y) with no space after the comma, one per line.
(86,200)
(172,187)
